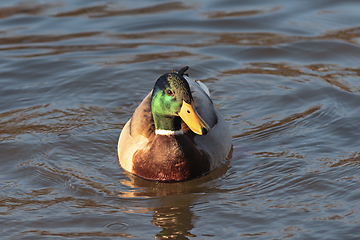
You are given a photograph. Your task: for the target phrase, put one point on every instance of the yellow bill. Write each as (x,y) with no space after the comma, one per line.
(193,120)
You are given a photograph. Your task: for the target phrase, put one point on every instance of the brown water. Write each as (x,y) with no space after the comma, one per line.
(285,75)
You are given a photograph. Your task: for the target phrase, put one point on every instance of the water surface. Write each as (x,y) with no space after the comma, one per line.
(284,74)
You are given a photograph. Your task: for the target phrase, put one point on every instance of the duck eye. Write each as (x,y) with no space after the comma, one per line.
(169,92)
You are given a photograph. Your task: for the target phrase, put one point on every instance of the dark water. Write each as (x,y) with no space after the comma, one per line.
(285,75)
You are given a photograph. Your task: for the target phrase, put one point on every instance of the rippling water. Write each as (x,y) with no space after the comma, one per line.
(285,75)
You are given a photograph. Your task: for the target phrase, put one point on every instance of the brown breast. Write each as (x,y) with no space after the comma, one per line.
(169,159)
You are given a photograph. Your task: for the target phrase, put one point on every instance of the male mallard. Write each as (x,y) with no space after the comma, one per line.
(175,134)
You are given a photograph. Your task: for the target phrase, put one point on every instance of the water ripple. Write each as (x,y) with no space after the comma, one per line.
(43,119)
(104,11)
(272,127)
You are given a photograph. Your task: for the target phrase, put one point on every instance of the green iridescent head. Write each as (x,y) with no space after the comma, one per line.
(172,102)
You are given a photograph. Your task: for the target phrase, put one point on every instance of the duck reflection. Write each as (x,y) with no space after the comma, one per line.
(173,208)
(176,222)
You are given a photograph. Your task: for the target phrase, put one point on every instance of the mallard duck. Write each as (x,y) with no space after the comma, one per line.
(175,134)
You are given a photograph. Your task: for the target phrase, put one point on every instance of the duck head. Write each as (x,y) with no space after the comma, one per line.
(172,102)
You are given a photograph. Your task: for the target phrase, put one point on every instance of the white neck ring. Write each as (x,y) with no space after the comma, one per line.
(168,132)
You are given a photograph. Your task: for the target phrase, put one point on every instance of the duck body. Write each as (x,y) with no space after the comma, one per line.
(175,134)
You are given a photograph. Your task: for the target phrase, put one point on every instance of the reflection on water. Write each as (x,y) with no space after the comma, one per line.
(284,74)
(172,208)
(172,213)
